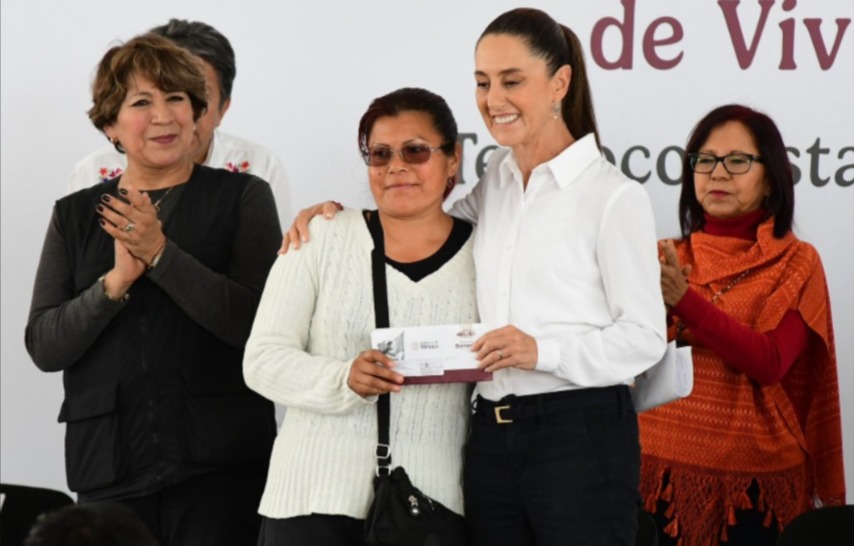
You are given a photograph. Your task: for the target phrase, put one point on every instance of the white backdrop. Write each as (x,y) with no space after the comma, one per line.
(308,69)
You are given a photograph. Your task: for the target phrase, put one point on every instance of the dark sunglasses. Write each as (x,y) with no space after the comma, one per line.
(414,154)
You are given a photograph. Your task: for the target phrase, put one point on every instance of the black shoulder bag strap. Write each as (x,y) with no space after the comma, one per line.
(383,452)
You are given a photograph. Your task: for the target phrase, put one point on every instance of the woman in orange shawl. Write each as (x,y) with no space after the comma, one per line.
(759,439)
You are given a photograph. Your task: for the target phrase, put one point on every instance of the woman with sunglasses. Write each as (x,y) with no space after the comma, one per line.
(566,271)
(310,345)
(759,439)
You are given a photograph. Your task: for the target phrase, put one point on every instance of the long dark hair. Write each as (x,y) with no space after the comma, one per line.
(558,46)
(780,204)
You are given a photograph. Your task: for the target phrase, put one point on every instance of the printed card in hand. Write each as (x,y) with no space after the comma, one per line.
(433,354)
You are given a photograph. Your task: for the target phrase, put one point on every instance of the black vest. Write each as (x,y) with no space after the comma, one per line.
(157,398)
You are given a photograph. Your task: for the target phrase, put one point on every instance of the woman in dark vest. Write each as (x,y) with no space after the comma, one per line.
(144,298)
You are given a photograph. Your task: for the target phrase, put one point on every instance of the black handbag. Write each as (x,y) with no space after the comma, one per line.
(400,514)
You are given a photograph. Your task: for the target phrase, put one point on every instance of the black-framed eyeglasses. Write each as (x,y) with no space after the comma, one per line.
(736,163)
(414,154)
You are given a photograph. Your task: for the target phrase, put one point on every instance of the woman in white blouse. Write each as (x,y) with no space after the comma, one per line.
(566,264)
(567,271)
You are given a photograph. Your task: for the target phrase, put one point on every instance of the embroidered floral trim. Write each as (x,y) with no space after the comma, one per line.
(242,167)
(105,174)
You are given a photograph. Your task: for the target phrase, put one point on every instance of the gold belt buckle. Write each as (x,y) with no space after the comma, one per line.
(498,418)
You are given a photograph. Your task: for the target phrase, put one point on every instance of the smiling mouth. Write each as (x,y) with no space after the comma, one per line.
(165,139)
(505,119)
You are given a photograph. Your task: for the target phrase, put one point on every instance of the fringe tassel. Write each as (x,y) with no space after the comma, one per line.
(667,494)
(650,504)
(742,501)
(669,512)
(672,529)
(730,515)
(768,518)
(708,503)
(659,480)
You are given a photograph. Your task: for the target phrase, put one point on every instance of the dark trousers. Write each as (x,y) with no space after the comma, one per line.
(312,530)
(215,509)
(564,471)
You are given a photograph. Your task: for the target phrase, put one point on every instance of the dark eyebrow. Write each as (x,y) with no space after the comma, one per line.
(504,72)
(414,140)
(739,151)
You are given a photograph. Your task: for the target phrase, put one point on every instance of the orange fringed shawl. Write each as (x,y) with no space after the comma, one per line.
(731,431)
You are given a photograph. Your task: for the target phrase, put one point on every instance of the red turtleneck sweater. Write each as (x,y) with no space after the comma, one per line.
(764,357)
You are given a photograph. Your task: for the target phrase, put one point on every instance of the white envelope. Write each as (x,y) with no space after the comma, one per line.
(671,378)
(433,354)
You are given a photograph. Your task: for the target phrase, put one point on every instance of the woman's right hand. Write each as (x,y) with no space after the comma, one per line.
(126,270)
(674,276)
(298,232)
(371,374)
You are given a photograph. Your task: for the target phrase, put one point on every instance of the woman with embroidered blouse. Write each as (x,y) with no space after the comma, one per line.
(758,441)
(310,345)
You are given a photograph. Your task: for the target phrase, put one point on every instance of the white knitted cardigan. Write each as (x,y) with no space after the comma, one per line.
(315,316)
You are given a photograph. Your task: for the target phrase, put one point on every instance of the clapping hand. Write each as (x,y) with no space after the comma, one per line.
(674,277)
(133,223)
(137,237)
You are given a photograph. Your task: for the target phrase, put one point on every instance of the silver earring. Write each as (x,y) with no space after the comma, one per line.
(555,110)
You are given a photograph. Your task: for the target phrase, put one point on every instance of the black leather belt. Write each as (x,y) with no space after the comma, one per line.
(518,408)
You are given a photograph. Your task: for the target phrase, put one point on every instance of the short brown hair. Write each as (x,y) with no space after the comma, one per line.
(170,67)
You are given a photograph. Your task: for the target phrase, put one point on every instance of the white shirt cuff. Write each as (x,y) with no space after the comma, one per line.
(548,355)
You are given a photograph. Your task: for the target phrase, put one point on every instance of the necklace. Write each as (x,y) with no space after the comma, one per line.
(681,326)
(156,204)
(723,291)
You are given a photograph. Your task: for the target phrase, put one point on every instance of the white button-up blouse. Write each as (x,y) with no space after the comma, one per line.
(571,261)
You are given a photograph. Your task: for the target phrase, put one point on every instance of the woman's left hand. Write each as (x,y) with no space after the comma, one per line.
(134,224)
(507,347)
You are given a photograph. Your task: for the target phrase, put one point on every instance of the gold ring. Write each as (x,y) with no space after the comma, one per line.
(500,354)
